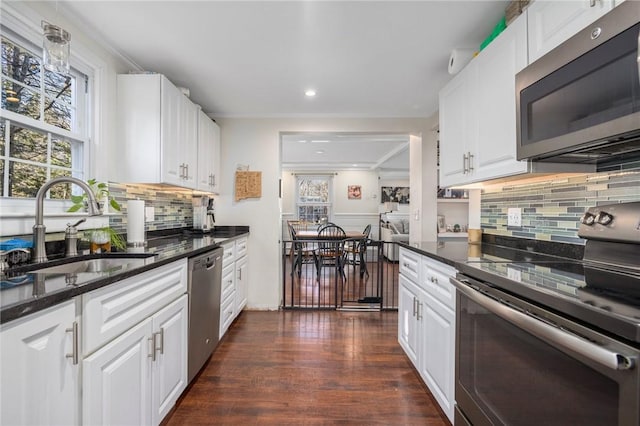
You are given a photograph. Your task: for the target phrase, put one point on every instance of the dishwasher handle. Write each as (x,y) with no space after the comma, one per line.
(211,261)
(551,334)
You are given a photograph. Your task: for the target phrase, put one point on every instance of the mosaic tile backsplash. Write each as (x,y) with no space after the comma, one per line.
(172,209)
(551,210)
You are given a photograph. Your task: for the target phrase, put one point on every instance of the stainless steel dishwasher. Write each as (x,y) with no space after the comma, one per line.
(205,277)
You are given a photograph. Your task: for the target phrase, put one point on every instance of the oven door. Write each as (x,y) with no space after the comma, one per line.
(517,364)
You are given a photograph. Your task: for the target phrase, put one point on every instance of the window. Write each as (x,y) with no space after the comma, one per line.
(313,198)
(43,119)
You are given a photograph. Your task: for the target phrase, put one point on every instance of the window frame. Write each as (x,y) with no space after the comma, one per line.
(23,20)
(328,204)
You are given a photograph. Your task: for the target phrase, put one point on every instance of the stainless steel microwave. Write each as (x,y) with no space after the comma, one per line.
(580,103)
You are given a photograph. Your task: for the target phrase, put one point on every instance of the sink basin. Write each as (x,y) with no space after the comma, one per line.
(101,264)
(94,265)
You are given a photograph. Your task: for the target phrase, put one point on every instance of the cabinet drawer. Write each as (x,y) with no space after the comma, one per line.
(111,310)
(229,253)
(410,264)
(437,284)
(241,247)
(228,285)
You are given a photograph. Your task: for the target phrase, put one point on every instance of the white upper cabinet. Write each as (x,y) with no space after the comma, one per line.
(495,94)
(552,22)
(157,132)
(208,154)
(478,112)
(456,130)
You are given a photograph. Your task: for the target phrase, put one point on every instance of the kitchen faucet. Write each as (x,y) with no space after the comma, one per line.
(39,230)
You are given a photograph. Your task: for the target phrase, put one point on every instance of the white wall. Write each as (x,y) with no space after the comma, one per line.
(424,168)
(256,142)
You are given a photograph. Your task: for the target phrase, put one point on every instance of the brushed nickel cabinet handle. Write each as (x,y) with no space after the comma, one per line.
(75,343)
(152,341)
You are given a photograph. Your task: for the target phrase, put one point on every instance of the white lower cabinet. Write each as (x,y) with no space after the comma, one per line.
(409,326)
(117,380)
(169,370)
(426,324)
(438,352)
(235,281)
(242,283)
(137,378)
(135,364)
(40,383)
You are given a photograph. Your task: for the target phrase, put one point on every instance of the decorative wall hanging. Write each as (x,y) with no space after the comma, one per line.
(248,185)
(398,194)
(354,192)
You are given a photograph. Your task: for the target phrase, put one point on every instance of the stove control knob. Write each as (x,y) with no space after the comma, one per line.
(588,219)
(604,218)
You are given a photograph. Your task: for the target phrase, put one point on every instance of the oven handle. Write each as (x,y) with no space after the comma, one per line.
(612,360)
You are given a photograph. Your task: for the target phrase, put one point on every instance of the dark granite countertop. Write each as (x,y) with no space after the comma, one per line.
(494,247)
(22,293)
(551,275)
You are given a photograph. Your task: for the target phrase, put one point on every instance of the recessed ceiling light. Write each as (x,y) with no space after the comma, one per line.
(302,141)
(310,93)
(319,151)
(320,141)
(354,165)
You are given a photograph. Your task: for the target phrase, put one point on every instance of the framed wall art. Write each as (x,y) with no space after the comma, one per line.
(398,194)
(354,192)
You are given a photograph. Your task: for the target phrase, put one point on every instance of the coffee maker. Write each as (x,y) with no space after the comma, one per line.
(203,213)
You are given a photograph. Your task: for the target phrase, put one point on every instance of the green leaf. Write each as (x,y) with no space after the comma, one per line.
(75,208)
(114,204)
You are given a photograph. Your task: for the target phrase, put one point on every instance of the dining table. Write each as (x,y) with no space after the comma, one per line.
(314,235)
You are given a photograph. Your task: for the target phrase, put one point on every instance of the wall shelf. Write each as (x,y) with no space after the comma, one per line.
(453,200)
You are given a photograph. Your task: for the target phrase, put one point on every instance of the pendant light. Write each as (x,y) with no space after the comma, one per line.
(56,43)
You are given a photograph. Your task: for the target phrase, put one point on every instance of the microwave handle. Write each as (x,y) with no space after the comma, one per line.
(553,335)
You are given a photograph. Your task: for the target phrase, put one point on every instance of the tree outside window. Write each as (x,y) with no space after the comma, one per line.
(41,136)
(314,198)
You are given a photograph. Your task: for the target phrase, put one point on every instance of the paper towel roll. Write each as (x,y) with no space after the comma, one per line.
(459,59)
(135,222)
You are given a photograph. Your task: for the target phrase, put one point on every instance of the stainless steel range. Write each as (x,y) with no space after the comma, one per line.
(547,340)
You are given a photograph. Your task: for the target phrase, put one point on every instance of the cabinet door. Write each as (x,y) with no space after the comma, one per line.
(407,318)
(495,97)
(437,366)
(189,141)
(40,385)
(456,127)
(169,376)
(205,152)
(242,283)
(116,380)
(170,117)
(215,168)
(552,22)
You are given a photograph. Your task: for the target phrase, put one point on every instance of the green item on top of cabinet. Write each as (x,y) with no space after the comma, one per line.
(500,26)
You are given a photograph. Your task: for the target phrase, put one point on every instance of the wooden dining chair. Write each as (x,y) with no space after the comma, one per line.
(356,250)
(301,252)
(330,249)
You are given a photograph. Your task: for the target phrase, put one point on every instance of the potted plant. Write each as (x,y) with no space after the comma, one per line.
(102,239)
(101,192)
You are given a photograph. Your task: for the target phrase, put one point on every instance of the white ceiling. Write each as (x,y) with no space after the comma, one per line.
(322,151)
(256,59)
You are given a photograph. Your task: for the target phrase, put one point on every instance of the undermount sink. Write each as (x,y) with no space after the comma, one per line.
(102,264)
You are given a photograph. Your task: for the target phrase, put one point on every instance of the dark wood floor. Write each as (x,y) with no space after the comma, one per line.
(307,368)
